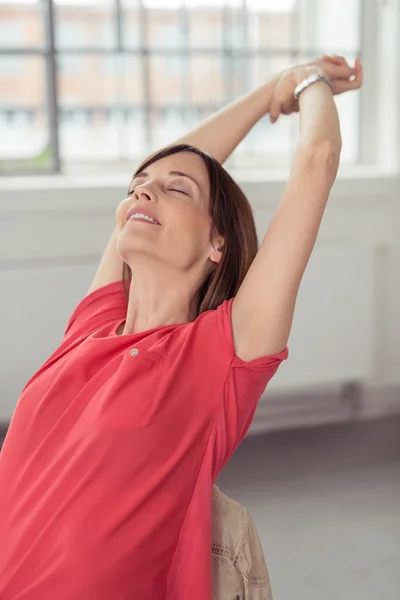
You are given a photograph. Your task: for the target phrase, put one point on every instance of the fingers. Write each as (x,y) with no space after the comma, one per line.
(358,72)
(336,67)
(274,111)
(343,77)
(334,59)
(353,83)
(278,100)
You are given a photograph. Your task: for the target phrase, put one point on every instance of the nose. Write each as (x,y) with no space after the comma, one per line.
(143,192)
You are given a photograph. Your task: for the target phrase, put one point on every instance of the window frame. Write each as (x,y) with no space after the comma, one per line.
(374,15)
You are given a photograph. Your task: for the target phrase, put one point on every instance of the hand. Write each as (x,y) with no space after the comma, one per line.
(343,78)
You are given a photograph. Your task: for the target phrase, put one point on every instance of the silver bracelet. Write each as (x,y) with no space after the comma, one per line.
(315,78)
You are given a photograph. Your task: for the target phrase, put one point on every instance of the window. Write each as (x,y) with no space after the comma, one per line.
(12,32)
(116,79)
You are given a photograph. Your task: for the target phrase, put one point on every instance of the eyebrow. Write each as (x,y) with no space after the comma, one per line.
(175,173)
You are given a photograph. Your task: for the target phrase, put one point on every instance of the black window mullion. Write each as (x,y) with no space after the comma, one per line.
(51,85)
(227,54)
(186,59)
(144,54)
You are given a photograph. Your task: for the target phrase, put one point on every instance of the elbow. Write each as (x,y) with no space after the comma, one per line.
(323,155)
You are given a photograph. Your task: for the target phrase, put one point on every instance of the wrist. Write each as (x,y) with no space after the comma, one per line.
(264,95)
(311,80)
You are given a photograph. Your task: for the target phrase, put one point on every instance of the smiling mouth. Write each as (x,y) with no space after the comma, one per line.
(142,217)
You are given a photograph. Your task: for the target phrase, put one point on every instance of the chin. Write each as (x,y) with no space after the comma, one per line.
(131,248)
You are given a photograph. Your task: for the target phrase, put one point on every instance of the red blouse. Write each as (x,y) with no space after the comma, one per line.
(107,468)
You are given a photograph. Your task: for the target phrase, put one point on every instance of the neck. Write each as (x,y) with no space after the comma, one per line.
(159,297)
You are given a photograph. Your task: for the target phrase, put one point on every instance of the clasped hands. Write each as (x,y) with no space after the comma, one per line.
(342,76)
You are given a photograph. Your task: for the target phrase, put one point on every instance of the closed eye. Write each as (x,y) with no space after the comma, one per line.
(179,191)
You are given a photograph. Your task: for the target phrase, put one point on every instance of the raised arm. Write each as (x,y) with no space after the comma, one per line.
(218,136)
(222,132)
(263,309)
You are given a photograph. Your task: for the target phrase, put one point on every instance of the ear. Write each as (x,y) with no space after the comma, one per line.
(217,244)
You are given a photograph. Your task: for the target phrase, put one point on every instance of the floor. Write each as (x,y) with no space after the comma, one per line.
(326,503)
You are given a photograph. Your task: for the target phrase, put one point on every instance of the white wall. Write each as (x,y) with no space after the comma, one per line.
(347,324)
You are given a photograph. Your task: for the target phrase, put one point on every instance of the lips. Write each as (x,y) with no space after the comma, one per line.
(141,211)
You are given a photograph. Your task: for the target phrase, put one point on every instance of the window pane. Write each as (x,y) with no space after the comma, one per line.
(166,79)
(89,123)
(266,145)
(164,29)
(207,80)
(100,102)
(83,26)
(134,142)
(235,31)
(21,25)
(166,125)
(131,95)
(273,145)
(118,107)
(169,123)
(24,139)
(206,28)
(132,30)
(274,31)
(337,26)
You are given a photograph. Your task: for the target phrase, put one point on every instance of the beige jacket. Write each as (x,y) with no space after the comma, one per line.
(239,571)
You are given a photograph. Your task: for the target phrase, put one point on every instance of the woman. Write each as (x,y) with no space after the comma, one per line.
(107,469)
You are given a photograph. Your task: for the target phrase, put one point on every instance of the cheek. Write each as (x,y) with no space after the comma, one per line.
(121,211)
(194,227)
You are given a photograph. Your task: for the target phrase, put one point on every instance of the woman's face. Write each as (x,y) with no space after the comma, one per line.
(173,193)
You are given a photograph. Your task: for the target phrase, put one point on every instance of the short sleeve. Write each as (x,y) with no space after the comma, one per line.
(244,385)
(105,305)
(102,307)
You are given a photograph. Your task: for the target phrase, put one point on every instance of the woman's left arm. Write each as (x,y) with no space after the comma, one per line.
(220,134)
(263,308)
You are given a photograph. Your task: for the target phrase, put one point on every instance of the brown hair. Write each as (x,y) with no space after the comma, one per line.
(232,217)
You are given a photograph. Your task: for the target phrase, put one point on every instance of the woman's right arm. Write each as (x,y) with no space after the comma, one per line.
(110,266)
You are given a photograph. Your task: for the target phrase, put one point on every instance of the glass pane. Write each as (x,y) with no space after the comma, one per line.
(337,26)
(129,73)
(101,105)
(165,29)
(134,143)
(166,124)
(266,146)
(207,80)
(261,68)
(206,28)
(24,139)
(132,30)
(89,121)
(166,79)
(236,30)
(131,94)
(169,123)
(80,25)
(21,25)
(273,145)
(274,30)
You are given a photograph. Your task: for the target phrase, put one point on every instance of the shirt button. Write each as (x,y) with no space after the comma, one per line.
(134,352)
